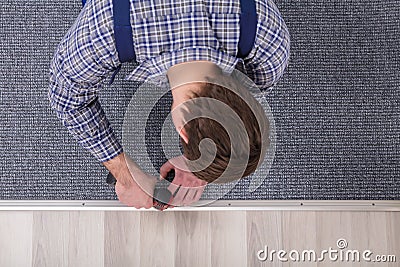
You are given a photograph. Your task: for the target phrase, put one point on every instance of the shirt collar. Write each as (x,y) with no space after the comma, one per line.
(152,69)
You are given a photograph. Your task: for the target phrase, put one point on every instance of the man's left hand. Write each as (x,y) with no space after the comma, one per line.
(191,187)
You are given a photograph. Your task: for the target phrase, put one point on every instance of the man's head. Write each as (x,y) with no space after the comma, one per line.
(217,113)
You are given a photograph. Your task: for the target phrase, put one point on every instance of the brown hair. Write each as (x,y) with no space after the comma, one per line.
(199,128)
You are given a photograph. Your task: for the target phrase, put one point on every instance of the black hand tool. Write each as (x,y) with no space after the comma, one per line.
(162,198)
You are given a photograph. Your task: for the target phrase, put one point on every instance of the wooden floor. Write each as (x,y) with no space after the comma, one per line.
(205,238)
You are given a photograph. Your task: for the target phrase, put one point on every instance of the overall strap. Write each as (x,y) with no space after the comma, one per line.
(123,30)
(122,33)
(248,27)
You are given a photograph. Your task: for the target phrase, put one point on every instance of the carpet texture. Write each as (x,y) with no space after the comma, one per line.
(336,109)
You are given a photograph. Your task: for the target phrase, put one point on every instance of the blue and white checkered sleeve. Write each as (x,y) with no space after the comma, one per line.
(83,59)
(271,59)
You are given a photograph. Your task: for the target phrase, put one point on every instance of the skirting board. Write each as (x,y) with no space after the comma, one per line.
(226,205)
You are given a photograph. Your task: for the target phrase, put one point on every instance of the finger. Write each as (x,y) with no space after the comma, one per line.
(195,192)
(178,199)
(199,183)
(165,169)
(149,205)
(184,183)
(118,189)
(190,197)
(196,186)
(203,183)
(172,188)
(197,195)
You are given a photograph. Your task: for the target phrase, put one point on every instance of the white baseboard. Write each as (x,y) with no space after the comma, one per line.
(284,205)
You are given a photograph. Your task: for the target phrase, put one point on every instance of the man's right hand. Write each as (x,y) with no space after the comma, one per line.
(135,192)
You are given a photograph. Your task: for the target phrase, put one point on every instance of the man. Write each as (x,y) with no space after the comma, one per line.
(174,39)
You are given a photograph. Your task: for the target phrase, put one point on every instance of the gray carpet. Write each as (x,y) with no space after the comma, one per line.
(336,109)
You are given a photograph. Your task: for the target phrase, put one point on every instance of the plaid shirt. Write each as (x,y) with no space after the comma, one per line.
(165,33)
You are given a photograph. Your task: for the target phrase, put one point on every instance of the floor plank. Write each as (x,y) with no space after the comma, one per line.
(68,239)
(50,238)
(392,236)
(368,231)
(122,239)
(16,238)
(331,227)
(158,238)
(228,238)
(193,240)
(88,248)
(204,238)
(299,235)
(264,231)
